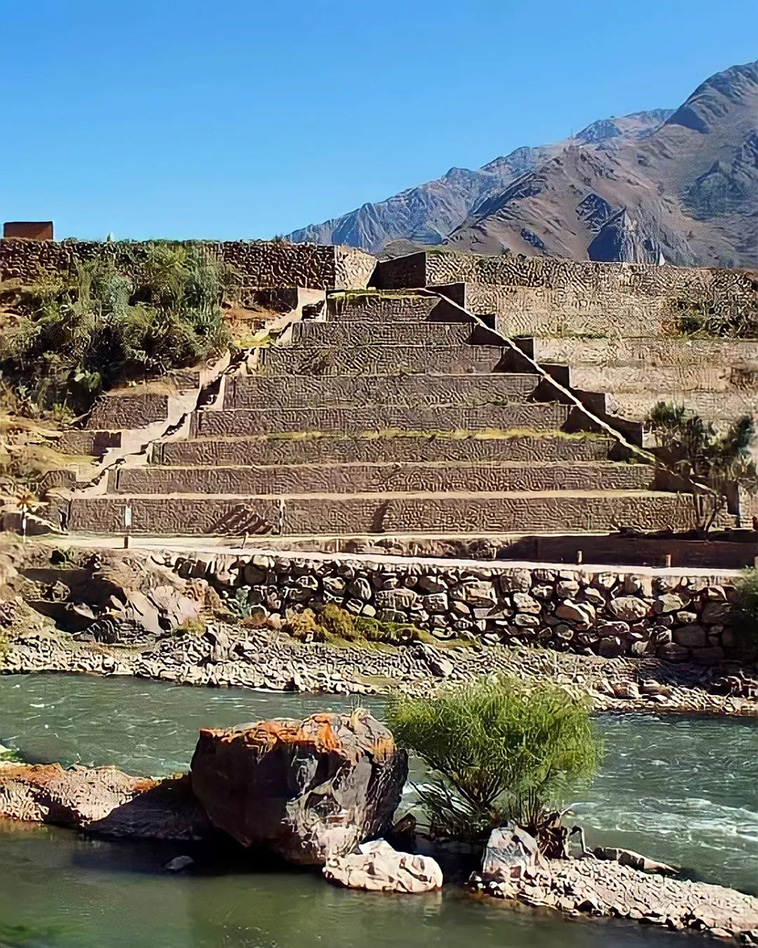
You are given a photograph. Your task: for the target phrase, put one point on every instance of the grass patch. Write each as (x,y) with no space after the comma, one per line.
(337,626)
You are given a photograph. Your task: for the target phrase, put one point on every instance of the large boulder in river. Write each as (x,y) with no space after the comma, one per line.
(306,790)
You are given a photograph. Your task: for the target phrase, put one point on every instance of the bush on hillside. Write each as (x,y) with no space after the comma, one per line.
(498,751)
(85,331)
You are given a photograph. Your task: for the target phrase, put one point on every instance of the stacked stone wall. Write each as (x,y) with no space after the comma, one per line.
(551,295)
(259,263)
(121,412)
(674,617)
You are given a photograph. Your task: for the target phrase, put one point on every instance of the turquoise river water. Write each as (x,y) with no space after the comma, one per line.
(684,790)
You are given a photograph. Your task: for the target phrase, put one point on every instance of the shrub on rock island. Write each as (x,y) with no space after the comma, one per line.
(498,751)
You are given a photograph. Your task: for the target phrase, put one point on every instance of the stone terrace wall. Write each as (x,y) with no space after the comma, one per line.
(260,263)
(550,289)
(675,617)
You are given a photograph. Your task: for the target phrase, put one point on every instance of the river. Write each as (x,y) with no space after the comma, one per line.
(683,790)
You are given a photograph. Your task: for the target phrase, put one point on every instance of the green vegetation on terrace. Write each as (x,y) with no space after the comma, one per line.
(714,463)
(704,319)
(338,626)
(107,321)
(499,750)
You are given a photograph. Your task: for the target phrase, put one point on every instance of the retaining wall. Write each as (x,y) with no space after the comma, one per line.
(303,391)
(119,412)
(359,478)
(548,294)
(400,449)
(676,617)
(241,422)
(259,263)
(387,514)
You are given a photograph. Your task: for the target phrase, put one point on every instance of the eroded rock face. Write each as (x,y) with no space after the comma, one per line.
(377,867)
(306,790)
(101,800)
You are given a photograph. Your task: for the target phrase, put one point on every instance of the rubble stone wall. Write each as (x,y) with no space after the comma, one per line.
(259,263)
(611,613)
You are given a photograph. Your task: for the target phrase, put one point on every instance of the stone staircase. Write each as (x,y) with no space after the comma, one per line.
(388,415)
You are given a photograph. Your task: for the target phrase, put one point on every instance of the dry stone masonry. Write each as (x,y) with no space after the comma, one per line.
(677,618)
(391,414)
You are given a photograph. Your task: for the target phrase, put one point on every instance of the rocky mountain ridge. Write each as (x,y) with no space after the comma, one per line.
(678,186)
(428,213)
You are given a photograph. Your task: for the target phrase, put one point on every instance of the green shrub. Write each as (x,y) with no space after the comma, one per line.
(746,612)
(194,626)
(693,449)
(332,623)
(303,626)
(103,324)
(499,750)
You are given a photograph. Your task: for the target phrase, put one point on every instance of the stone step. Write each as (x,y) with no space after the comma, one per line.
(721,408)
(673,381)
(381,360)
(373,333)
(645,351)
(363,478)
(255,391)
(422,418)
(400,448)
(379,306)
(389,514)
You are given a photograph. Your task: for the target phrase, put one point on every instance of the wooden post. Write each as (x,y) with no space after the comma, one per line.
(668,561)
(127,523)
(579,556)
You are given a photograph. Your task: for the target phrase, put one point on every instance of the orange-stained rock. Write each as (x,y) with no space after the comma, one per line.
(305,790)
(101,800)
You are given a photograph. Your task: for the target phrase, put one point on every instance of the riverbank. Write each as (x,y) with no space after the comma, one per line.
(234,655)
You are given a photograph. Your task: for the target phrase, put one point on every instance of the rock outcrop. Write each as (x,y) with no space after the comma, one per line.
(377,867)
(305,790)
(101,800)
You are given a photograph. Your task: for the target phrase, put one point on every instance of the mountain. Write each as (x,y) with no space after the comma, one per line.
(428,213)
(688,191)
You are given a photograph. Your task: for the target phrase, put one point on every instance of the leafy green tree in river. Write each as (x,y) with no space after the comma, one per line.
(498,751)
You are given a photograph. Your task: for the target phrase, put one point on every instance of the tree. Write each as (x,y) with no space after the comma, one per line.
(711,462)
(500,750)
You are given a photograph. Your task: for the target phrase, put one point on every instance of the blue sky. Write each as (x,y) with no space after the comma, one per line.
(245,118)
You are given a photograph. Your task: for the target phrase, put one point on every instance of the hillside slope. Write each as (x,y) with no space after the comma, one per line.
(428,213)
(688,191)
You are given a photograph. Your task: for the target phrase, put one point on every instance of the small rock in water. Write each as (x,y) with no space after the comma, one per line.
(179,863)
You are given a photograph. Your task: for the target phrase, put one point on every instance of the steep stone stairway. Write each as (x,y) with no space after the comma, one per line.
(388,416)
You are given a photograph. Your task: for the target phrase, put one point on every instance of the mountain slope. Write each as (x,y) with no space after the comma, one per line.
(689,190)
(428,213)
